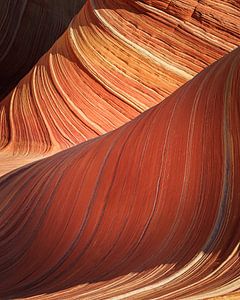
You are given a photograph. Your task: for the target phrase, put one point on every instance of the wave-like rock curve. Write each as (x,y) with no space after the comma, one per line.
(117,59)
(148,211)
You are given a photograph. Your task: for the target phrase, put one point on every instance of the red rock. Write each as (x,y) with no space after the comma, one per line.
(150,210)
(117,59)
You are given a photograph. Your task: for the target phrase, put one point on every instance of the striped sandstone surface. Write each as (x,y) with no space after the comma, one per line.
(146,211)
(116,59)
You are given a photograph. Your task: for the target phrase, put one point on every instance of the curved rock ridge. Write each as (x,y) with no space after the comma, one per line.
(147,211)
(117,59)
(28,28)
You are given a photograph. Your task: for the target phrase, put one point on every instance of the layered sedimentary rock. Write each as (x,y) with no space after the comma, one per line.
(117,59)
(28,28)
(148,211)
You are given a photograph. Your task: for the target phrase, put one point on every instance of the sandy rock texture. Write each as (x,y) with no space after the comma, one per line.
(120,151)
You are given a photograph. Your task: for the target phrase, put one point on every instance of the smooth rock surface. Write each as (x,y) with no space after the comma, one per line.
(117,59)
(148,211)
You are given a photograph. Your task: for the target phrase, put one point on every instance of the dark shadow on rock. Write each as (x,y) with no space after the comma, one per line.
(28,30)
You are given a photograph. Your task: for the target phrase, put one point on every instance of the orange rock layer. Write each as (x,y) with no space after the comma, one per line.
(148,211)
(117,59)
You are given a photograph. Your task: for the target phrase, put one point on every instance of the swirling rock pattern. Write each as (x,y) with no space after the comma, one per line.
(148,211)
(117,59)
(28,28)
(151,209)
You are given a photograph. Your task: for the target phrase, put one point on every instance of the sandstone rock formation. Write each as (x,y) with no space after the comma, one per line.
(149,210)
(117,59)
